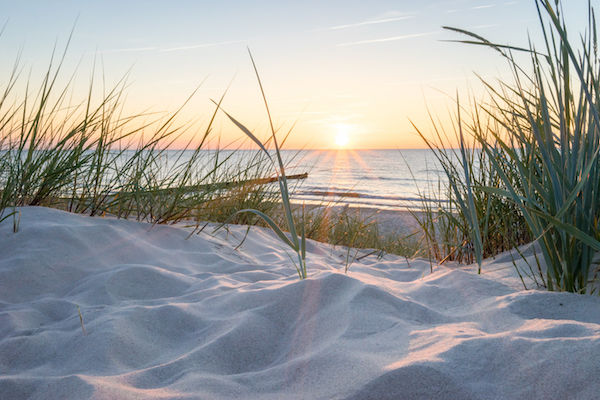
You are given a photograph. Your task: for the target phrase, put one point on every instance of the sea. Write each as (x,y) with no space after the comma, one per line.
(389,179)
(383,179)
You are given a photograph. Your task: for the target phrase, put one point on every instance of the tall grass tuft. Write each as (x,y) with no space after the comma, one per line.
(297,242)
(90,158)
(467,223)
(539,150)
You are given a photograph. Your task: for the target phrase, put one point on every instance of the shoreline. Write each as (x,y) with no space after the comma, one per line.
(390,222)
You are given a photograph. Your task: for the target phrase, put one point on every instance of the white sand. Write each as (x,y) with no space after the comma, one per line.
(169,318)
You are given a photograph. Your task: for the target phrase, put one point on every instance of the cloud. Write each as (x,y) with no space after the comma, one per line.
(483,6)
(170,49)
(370,22)
(388,39)
(200,46)
(130,50)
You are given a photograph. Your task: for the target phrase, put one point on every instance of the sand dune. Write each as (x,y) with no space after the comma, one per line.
(170,318)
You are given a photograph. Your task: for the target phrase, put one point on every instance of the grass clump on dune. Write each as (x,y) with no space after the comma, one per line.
(90,158)
(295,241)
(538,172)
(470,223)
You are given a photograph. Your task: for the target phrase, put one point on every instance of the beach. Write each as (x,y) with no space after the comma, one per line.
(300,200)
(102,308)
(390,222)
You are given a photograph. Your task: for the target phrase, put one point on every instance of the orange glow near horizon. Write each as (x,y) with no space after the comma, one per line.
(339,75)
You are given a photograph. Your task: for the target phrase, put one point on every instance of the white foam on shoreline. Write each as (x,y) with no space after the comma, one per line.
(170,318)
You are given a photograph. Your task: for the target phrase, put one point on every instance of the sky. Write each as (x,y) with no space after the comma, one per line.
(347,73)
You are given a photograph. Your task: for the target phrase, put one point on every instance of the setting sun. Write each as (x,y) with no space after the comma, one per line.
(342,136)
(341,140)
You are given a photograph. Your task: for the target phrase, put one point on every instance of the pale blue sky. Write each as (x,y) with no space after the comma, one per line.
(362,67)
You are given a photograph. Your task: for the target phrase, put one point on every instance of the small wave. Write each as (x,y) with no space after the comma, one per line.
(357,202)
(321,193)
(332,193)
(378,178)
(395,179)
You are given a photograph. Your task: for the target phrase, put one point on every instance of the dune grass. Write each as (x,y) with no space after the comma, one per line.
(297,242)
(531,170)
(90,158)
(469,223)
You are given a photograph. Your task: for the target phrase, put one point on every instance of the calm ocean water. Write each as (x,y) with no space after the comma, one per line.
(390,179)
(387,179)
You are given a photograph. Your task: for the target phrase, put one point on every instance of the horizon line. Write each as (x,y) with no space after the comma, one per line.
(309,149)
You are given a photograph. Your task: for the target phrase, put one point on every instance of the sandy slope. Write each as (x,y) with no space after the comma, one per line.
(170,318)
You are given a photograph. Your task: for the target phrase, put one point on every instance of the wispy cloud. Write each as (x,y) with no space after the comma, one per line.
(370,22)
(130,50)
(200,46)
(389,39)
(482,6)
(170,49)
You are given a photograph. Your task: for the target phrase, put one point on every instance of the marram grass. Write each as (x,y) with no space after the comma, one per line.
(90,158)
(297,242)
(538,153)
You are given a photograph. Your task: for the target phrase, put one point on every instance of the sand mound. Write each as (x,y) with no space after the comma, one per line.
(170,318)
